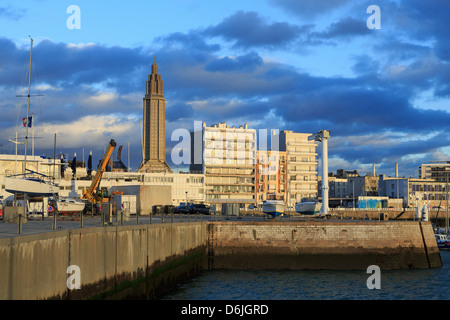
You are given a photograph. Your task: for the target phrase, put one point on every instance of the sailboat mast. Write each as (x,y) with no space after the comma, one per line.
(28,108)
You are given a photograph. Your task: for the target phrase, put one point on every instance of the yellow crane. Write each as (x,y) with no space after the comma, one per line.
(93,194)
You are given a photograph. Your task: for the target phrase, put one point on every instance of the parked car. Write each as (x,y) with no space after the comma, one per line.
(182,209)
(200,208)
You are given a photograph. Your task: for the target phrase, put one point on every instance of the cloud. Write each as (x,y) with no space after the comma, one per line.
(192,41)
(346,110)
(249,29)
(12,13)
(229,71)
(309,9)
(244,63)
(178,111)
(345,28)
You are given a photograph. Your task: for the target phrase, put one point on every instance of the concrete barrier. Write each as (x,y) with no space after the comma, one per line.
(11,214)
(143,261)
(325,245)
(114,262)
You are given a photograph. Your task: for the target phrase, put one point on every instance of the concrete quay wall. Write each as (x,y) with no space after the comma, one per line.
(143,261)
(324,245)
(114,262)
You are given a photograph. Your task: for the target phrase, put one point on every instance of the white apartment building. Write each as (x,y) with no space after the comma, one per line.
(301,166)
(228,161)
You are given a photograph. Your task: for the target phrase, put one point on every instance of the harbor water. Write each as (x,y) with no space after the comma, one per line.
(412,284)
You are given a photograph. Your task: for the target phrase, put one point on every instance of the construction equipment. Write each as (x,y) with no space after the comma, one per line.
(94,195)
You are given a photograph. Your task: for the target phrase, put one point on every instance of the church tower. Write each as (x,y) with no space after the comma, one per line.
(154,144)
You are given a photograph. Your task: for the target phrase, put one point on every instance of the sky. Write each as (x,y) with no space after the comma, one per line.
(301,65)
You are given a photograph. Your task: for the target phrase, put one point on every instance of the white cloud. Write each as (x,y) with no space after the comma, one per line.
(80,45)
(92,131)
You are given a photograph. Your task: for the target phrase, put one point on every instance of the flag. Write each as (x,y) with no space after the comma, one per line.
(25,122)
(90,164)
(74,164)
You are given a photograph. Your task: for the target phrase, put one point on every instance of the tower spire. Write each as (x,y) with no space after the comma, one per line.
(154,66)
(154,146)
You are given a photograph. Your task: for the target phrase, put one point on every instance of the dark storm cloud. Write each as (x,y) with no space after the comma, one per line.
(249,29)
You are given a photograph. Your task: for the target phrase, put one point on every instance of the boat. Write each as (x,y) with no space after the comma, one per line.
(25,184)
(308,207)
(274,205)
(66,205)
(443,241)
(441,234)
(32,187)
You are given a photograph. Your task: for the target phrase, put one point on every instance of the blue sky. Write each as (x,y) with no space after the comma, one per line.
(297,65)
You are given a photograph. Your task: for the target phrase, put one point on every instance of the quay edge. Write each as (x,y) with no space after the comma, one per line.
(145,261)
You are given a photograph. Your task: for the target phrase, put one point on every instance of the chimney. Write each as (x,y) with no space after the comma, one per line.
(396,169)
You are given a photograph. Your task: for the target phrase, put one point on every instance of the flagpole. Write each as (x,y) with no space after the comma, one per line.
(32,133)
(28,108)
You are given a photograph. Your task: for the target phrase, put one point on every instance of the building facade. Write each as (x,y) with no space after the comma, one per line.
(301,166)
(414,191)
(436,170)
(270,174)
(227,159)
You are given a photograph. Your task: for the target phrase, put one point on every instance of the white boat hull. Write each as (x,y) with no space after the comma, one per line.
(274,208)
(31,187)
(308,208)
(69,206)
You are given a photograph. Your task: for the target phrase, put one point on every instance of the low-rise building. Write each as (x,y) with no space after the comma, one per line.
(414,191)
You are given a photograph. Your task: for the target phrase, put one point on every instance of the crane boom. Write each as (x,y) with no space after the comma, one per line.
(90,194)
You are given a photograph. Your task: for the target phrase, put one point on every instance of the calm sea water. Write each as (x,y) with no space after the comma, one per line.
(423,284)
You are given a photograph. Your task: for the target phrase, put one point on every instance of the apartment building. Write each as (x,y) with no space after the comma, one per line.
(270,174)
(436,170)
(301,166)
(228,161)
